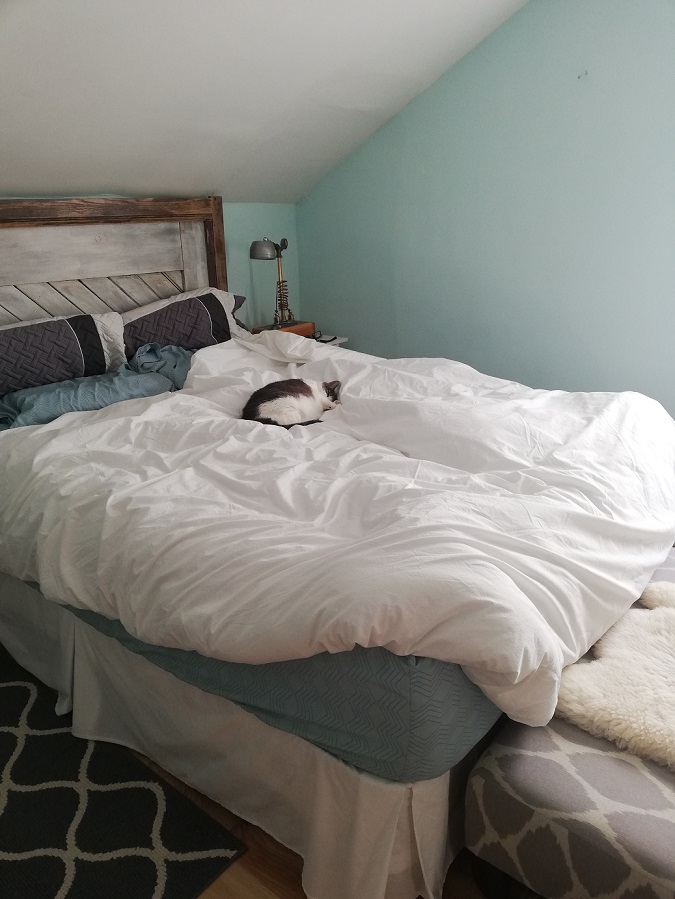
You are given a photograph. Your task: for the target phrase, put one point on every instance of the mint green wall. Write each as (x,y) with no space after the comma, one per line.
(256,280)
(520,214)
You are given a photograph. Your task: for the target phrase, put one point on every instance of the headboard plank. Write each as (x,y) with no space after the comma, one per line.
(80,295)
(160,285)
(176,278)
(16,306)
(215,244)
(195,265)
(135,287)
(87,210)
(49,298)
(59,253)
(113,297)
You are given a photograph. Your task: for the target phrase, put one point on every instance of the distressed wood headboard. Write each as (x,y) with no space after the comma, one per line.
(66,256)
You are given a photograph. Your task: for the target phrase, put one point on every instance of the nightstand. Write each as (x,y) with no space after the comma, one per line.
(304,329)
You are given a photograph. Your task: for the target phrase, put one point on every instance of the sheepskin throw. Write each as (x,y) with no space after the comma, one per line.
(626,693)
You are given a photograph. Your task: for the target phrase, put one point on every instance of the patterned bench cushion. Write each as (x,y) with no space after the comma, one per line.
(570,815)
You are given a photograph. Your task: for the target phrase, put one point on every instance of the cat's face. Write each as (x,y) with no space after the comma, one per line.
(332,389)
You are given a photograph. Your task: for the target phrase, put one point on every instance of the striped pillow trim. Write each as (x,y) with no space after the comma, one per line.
(86,332)
(220,327)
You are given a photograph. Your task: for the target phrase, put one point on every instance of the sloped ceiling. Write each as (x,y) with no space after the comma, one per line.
(253,100)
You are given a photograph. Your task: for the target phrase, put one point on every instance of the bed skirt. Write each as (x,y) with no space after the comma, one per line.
(358,835)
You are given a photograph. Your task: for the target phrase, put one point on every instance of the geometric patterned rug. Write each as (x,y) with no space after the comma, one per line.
(87,820)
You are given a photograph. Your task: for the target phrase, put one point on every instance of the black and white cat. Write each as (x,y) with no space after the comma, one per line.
(291,402)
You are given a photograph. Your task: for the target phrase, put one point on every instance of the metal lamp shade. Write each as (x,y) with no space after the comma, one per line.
(263,249)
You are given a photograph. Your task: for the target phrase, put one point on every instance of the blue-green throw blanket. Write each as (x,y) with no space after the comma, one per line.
(152,370)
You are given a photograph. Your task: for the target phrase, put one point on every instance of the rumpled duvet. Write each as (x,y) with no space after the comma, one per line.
(437,511)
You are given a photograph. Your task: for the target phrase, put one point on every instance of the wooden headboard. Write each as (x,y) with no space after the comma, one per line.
(66,256)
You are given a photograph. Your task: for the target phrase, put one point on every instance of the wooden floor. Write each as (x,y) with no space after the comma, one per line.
(268,870)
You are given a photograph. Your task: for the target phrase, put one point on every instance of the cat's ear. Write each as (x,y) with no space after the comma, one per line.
(332,388)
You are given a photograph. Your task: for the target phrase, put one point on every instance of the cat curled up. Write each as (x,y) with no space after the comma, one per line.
(294,401)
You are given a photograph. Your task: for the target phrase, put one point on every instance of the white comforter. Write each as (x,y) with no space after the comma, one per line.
(438,512)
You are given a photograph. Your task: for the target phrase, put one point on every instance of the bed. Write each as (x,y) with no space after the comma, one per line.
(317,627)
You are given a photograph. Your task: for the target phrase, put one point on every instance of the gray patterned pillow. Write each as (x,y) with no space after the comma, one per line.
(191,320)
(45,351)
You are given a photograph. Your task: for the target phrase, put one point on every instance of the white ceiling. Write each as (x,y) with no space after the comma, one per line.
(253,100)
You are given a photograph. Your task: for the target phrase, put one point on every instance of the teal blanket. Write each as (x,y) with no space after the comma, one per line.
(152,370)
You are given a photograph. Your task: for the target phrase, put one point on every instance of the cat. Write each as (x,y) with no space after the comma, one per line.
(291,402)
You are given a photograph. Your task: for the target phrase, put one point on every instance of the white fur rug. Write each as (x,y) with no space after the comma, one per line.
(627,692)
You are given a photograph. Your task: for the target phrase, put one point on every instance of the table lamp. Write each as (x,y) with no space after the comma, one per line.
(267,249)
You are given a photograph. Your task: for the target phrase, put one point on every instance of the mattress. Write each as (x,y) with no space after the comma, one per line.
(403,718)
